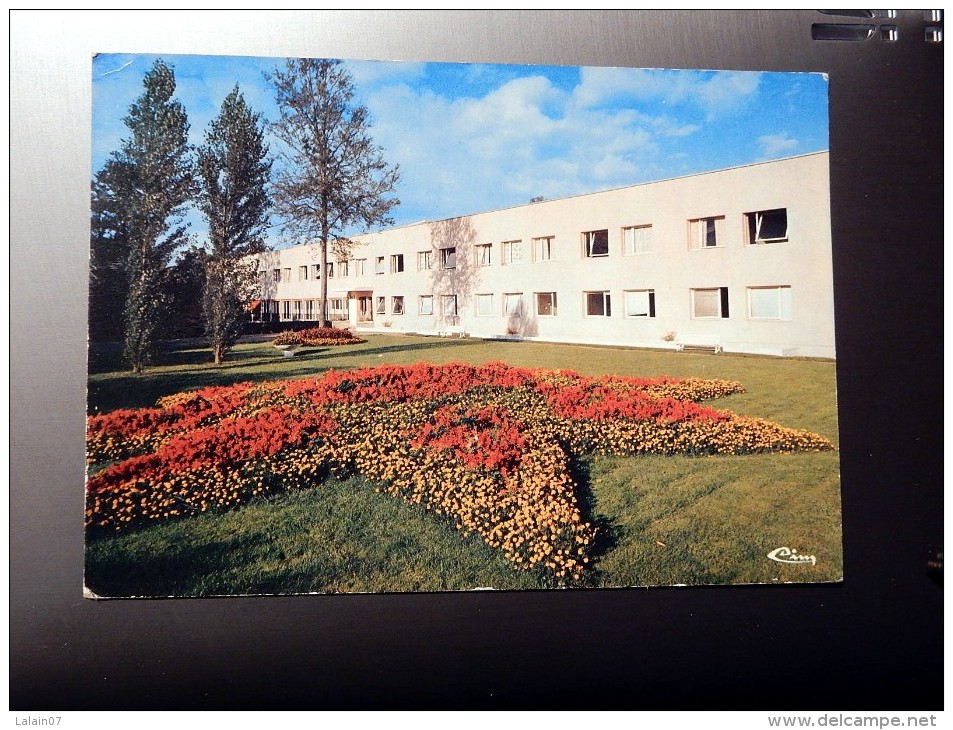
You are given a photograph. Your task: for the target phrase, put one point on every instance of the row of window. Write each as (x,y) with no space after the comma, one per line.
(313,271)
(303,309)
(306,272)
(761,227)
(767,302)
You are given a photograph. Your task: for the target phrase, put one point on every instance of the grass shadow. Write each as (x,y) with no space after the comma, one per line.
(189,368)
(170,572)
(196,356)
(608,532)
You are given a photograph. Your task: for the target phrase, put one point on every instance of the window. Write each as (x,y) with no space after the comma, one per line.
(448,258)
(640,303)
(277,275)
(597,243)
(543,249)
(484,254)
(449,303)
(302,273)
(297,309)
(286,274)
(379,265)
(286,309)
(484,305)
(598,304)
(380,308)
(330,269)
(338,309)
(396,263)
(309,309)
(767,226)
(360,267)
(705,232)
(546,304)
(424,260)
(426,304)
(710,303)
(513,304)
(316,271)
(512,252)
(636,239)
(769,302)
(344,268)
(397,305)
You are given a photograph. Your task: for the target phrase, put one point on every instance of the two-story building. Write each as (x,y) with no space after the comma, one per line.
(738,259)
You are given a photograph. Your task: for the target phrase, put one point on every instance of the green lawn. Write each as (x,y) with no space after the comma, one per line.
(663,520)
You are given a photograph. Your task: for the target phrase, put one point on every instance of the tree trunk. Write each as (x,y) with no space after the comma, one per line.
(325,319)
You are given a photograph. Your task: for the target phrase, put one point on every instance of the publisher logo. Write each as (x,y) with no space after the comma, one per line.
(790,557)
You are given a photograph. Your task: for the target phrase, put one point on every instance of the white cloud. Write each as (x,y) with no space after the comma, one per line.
(612,167)
(507,121)
(374,73)
(600,85)
(723,93)
(522,139)
(670,128)
(773,145)
(712,91)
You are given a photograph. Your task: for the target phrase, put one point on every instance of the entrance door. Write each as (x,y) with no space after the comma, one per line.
(365,309)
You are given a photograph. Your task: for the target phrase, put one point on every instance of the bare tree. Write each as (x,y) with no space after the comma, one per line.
(332,176)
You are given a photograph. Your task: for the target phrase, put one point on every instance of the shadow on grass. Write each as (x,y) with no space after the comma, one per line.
(107,358)
(173,571)
(608,532)
(199,357)
(142,391)
(115,388)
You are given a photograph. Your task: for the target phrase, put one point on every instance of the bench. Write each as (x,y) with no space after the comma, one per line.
(453,331)
(698,344)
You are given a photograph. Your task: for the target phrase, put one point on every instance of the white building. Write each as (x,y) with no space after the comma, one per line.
(737,259)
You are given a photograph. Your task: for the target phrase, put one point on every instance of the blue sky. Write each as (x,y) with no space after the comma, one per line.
(475,137)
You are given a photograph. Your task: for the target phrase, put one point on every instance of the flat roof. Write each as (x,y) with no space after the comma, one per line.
(605,190)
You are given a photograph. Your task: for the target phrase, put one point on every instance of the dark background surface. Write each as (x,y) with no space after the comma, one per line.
(873,642)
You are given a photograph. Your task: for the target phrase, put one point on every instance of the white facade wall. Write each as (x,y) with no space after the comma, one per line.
(779,293)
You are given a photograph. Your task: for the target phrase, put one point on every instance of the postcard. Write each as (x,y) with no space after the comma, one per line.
(364,327)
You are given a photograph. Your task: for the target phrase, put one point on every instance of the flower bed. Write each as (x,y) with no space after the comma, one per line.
(488,447)
(318,337)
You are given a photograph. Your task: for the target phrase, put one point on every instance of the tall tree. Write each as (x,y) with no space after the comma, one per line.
(333,176)
(141,193)
(233,169)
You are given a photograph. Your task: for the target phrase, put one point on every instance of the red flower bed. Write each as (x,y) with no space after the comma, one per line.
(485,439)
